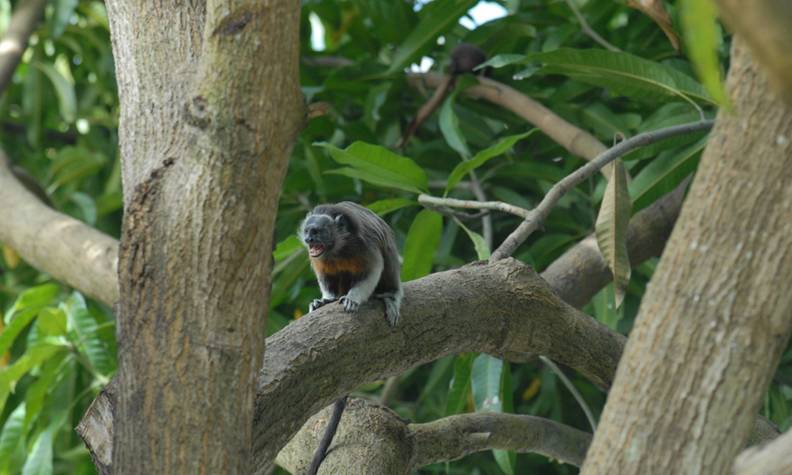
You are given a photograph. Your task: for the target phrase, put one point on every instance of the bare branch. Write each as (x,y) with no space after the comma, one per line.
(374,439)
(574,139)
(15,41)
(540,213)
(60,245)
(586,28)
(772,457)
(435,202)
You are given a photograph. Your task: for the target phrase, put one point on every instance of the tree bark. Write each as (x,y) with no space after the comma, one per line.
(210,106)
(717,314)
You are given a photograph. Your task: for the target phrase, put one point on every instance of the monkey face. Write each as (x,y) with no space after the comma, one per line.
(321,233)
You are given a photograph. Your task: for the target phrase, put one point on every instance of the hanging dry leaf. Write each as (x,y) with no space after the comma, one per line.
(655,10)
(611,229)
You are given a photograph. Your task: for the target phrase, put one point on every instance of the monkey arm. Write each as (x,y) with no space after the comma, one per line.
(362,290)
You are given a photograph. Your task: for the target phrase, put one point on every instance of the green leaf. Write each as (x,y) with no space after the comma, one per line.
(64,9)
(605,309)
(286,248)
(421,244)
(32,299)
(483,157)
(10,332)
(36,392)
(435,18)
(39,461)
(12,435)
(702,40)
(486,383)
(449,126)
(611,228)
(63,89)
(31,358)
(623,74)
(86,337)
(383,207)
(460,384)
(506,459)
(501,60)
(664,173)
(482,250)
(379,166)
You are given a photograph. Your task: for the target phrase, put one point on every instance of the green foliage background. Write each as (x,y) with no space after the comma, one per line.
(59,118)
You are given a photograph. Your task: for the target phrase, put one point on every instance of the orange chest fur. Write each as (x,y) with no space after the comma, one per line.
(329,267)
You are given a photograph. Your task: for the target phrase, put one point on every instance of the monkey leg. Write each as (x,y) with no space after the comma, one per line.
(392,301)
(317,303)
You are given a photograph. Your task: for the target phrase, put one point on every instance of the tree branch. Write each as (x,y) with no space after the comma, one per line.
(435,202)
(55,243)
(374,439)
(574,139)
(15,41)
(772,457)
(540,213)
(587,28)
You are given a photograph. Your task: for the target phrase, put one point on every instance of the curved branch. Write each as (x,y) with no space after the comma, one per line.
(15,41)
(374,439)
(540,213)
(576,140)
(772,457)
(55,243)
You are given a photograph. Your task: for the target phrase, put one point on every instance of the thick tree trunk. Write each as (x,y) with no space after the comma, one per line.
(717,313)
(210,106)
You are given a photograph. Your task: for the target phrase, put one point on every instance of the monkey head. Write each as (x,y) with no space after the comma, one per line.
(324,234)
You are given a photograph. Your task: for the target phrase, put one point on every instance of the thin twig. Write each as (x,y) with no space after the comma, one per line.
(15,41)
(537,215)
(572,389)
(588,30)
(434,202)
(486,220)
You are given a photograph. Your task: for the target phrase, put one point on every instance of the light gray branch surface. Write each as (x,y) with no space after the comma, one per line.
(55,243)
(15,41)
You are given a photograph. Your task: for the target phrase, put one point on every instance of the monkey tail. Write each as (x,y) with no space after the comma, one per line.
(327,438)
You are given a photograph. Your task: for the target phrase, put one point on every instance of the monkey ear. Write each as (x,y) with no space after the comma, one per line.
(341,221)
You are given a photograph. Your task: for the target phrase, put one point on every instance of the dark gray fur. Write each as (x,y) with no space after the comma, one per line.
(350,231)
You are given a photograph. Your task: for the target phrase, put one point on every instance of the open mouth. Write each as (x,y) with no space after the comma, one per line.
(316,250)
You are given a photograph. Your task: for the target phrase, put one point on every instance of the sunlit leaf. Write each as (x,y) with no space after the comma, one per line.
(421,245)
(12,435)
(39,461)
(88,341)
(702,40)
(383,207)
(33,299)
(623,74)
(482,250)
(486,383)
(482,157)
(379,166)
(611,229)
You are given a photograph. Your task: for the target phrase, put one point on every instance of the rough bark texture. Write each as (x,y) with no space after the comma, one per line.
(56,243)
(717,312)
(210,105)
(376,441)
(497,308)
(764,24)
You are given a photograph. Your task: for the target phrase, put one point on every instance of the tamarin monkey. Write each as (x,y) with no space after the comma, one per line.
(354,256)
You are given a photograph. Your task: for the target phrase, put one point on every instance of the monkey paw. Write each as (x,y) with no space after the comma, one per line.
(349,304)
(317,303)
